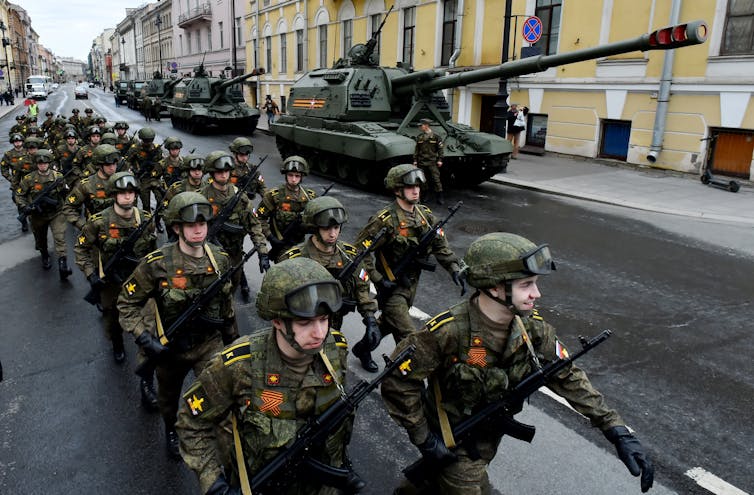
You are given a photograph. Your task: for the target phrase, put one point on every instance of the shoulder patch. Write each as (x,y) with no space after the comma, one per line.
(95,216)
(384,215)
(425,208)
(535,315)
(293,252)
(236,353)
(85,180)
(350,249)
(311,192)
(154,256)
(340,339)
(439,320)
(274,192)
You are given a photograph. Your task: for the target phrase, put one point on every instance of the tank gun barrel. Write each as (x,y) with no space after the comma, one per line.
(230,82)
(668,38)
(169,84)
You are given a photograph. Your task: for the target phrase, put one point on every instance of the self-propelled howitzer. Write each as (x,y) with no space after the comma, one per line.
(355,120)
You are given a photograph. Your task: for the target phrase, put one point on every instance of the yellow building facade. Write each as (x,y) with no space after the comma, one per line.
(598,108)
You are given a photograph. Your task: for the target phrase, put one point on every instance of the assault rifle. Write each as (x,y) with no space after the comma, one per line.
(418,256)
(125,249)
(276,474)
(200,301)
(43,198)
(219,222)
(367,244)
(288,236)
(497,418)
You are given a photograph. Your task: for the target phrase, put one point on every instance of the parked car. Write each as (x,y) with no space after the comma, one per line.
(55,85)
(91,84)
(80,92)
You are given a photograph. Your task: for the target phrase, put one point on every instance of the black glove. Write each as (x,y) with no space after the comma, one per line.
(229,332)
(221,487)
(95,282)
(631,452)
(460,280)
(264,263)
(387,284)
(434,450)
(152,347)
(372,334)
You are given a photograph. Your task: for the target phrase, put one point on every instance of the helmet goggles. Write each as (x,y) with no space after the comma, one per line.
(244,150)
(538,261)
(317,298)
(195,163)
(110,158)
(293,166)
(195,213)
(414,178)
(223,163)
(126,182)
(330,216)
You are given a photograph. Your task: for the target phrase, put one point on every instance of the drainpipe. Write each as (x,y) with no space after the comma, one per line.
(306,36)
(256,57)
(456,49)
(663,95)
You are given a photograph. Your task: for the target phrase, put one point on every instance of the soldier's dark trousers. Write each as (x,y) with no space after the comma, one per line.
(57,225)
(395,318)
(110,315)
(432,171)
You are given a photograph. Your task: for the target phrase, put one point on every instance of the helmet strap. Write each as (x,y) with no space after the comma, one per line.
(290,337)
(193,244)
(507,302)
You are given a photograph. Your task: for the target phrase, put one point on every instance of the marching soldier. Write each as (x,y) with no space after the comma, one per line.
(476,352)
(172,165)
(428,156)
(19,127)
(193,177)
(282,206)
(143,159)
(87,121)
(10,162)
(82,162)
(48,212)
(406,222)
(323,218)
(76,120)
(173,275)
(241,148)
(298,369)
(92,192)
(48,123)
(27,164)
(123,140)
(100,239)
(65,153)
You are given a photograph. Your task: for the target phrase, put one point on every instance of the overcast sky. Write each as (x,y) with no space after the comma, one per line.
(68,27)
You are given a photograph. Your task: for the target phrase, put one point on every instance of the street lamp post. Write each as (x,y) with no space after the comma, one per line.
(158,23)
(6,42)
(122,55)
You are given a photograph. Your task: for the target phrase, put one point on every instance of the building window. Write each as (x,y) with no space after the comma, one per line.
(375,21)
(222,35)
(549,12)
(209,38)
(180,42)
(255,47)
(268,51)
(347,36)
(188,43)
(738,37)
(199,41)
(299,50)
(283,53)
(409,25)
(322,45)
(239,32)
(448,30)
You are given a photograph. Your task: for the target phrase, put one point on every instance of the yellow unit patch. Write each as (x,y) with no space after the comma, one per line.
(439,320)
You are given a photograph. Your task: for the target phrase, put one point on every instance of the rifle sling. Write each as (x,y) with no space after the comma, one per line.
(525,335)
(334,375)
(388,271)
(442,416)
(240,460)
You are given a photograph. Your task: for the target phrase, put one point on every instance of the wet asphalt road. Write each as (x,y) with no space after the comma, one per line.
(678,367)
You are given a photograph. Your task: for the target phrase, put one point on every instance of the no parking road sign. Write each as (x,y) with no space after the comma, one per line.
(532,29)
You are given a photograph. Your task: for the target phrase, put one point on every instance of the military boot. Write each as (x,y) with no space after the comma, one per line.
(148,395)
(24,225)
(63,269)
(158,225)
(440,198)
(245,292)
(119,352)
(46,262)
(365,356)
(354,482)
(172,443)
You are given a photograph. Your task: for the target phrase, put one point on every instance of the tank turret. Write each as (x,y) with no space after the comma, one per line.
(158,89)
(355,120)
(204,102)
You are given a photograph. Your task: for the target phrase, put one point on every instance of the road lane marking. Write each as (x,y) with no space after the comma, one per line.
(710,482)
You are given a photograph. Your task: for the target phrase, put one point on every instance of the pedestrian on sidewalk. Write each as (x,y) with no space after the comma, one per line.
(516,122)
(271,108)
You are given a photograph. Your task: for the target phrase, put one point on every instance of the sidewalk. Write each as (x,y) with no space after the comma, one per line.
(640,188)
(6,109)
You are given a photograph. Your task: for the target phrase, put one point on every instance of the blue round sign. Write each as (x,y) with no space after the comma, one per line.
(532,29)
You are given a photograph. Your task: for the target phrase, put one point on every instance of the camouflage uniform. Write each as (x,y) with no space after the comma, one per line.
(91,193)
(182,186)
(145,163)
(475,361)
(404,230)
(172,169)
(173,278)
(99,240)
(64,155)
(279,208)
(235,382)
(51,215)
(123,144)
(429,151)
(8,165)
(82,162)
(241,170)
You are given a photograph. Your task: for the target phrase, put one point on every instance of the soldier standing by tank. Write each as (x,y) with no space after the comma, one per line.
(49,212)
(123,141)
(100,239)
(10,162)
(173,275)
(242,220)
(173,163)
(92,192)
(146,108)
(481,348)
(281,208)
(241,148)
(406,221)
(324,217)
(82,162)
(297,371)
(428,156)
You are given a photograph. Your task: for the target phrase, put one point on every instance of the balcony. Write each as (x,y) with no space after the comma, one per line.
(198,15)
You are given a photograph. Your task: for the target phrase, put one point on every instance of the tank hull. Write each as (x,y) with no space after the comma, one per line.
(199,119)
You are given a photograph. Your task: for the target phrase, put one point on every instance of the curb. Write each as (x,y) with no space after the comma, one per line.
(522,184)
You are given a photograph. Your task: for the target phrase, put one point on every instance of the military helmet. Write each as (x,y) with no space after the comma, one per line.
(323,212)
(109,138)
(32,129)
(49,114)
(70,133)
(241,145)
(404,175)
(20,117)
(30,142)
(295,163)
(33,118)
(105,154)
(146,134)
(172,143)
(298,288)
(100,120)
(188,207)
(192,162)
(121,125)
(500,256)
(16,137)
(75,111)
(88,110)
(218,161)
(121,182)
(95,130)
(45,156)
